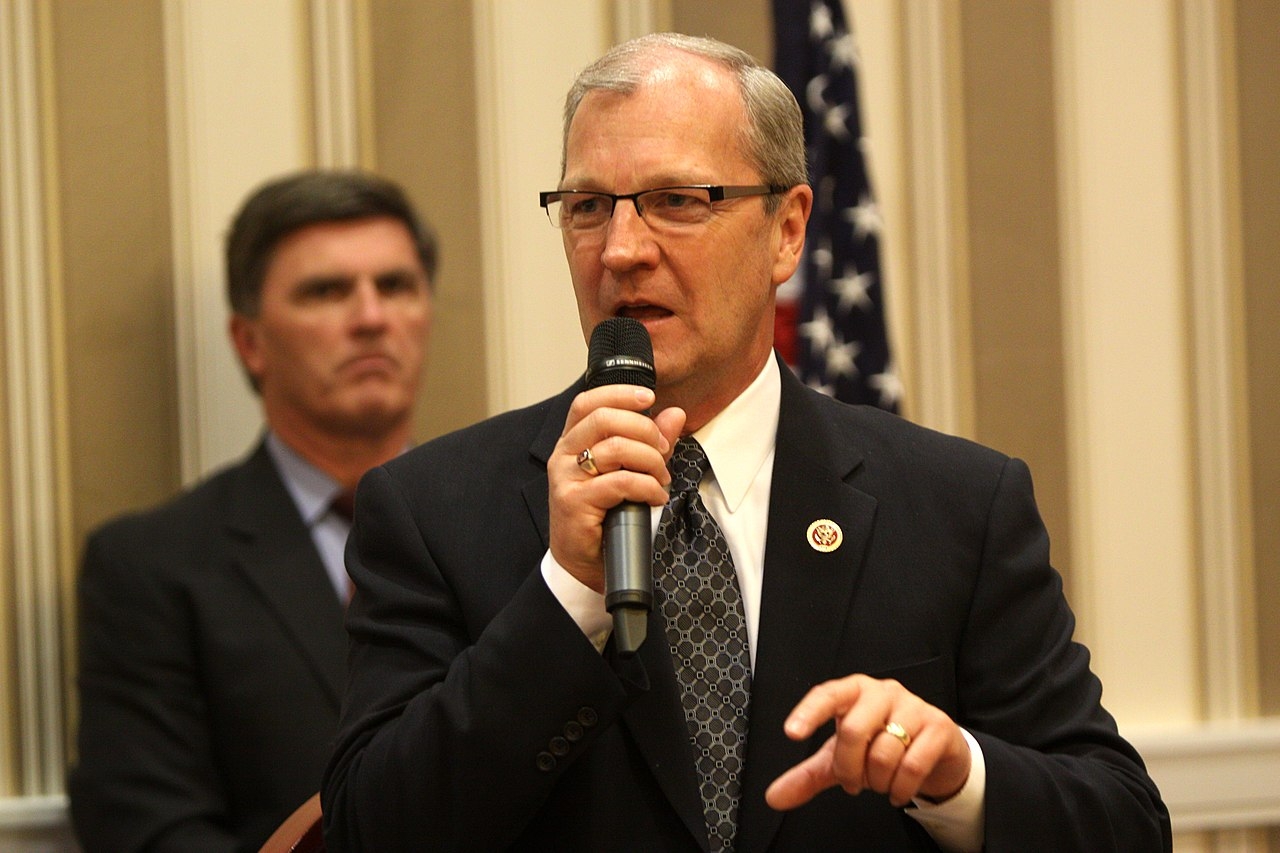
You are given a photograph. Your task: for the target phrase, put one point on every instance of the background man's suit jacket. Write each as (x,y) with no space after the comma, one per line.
(212,664)
(479,717)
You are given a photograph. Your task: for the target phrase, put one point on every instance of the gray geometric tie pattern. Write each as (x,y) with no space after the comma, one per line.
(699,596)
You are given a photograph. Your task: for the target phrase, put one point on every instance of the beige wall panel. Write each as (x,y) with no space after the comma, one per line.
(1012,204)
(424,129)
(1257,23)
(1127,368)
(8,666)
(747,24)
(113,196)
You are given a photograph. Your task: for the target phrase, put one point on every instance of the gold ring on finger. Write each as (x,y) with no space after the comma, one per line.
(899,732)
(587,462)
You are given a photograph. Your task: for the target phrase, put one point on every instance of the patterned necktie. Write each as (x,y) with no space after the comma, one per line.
(343,505)
(699,596)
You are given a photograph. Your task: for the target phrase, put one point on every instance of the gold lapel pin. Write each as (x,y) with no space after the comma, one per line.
(824,535)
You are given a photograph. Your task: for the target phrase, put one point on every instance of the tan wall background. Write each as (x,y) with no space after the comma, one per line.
(1260,190)
(424,135)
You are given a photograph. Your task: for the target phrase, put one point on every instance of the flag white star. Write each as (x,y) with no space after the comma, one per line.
(821,387)
(852,289)
(820,25)
(836,121)
(865,218)
(814,93)
(844,51)
(889,386)
(819,331)
(840,357)
(822,257)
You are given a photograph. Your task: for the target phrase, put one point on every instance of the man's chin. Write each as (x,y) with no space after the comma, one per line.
(371,418)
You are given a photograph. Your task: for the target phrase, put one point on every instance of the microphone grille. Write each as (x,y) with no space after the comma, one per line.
(620,353)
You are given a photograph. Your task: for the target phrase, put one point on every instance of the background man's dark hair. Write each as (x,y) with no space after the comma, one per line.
(284,205)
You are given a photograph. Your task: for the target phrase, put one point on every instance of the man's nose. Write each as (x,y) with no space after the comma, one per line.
(628,240)
(369,306)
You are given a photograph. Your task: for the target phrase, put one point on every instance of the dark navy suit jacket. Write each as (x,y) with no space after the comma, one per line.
(212,665)
(479,717)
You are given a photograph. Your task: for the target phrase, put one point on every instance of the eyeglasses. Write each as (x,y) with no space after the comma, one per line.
(577,210)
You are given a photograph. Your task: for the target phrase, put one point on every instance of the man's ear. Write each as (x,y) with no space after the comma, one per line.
(247,342)
(792,218)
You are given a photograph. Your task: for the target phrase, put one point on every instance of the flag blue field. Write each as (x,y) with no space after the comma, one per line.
(831,320)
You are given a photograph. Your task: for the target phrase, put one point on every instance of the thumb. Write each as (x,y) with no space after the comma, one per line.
(670,423)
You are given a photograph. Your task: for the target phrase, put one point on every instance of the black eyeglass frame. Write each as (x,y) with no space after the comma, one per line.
(715,193)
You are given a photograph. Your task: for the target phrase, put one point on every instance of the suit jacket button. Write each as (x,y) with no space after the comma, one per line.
(588,716)
(546,762)
(573,731)
(559,747)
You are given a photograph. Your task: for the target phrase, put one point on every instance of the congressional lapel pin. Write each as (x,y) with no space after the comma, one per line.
(824,535)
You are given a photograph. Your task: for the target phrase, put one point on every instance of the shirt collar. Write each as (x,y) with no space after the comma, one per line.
(312,489)
(741,438)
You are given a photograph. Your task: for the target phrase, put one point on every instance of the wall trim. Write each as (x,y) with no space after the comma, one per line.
(32,813)
(1218,776)
(235,119)
(533,341)
(937,232)
(30,303)
(1216,331)
(1131,484)
(187,333)
(335,71)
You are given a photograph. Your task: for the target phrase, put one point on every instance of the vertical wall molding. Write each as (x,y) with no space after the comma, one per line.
(334,52)
(187,332)
(1128,402)
(1230,671)
(533,341)
(943,357)
(31,453)
(285,99)
(1227,613)
(236,118)
(1074,380)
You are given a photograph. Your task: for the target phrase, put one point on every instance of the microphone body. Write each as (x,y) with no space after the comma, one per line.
(620,353)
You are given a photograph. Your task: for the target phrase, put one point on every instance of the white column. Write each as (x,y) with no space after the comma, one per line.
(238,111)
(1129,422)
(943,396)
(527,54)
(33,449)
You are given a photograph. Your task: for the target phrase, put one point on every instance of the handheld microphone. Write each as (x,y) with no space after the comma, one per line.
(620,353)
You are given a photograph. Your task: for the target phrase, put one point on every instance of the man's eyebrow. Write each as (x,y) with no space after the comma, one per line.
(658,182)
(323,278)
(406,271)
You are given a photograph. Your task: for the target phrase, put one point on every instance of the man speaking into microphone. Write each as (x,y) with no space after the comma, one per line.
(856,640)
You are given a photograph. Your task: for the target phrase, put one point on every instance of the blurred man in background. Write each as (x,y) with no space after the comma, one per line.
(212,648)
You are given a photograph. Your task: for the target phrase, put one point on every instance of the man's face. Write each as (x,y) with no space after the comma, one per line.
(339,341)
(705,292)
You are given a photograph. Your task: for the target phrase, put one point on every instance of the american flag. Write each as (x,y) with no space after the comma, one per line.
(830,326)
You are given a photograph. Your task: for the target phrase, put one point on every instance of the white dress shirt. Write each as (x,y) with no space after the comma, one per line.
(740,443)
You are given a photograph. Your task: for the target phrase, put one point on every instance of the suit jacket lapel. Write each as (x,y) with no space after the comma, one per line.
(544,443)
(273,550)
(657,723)
(655,719)
(806,595)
